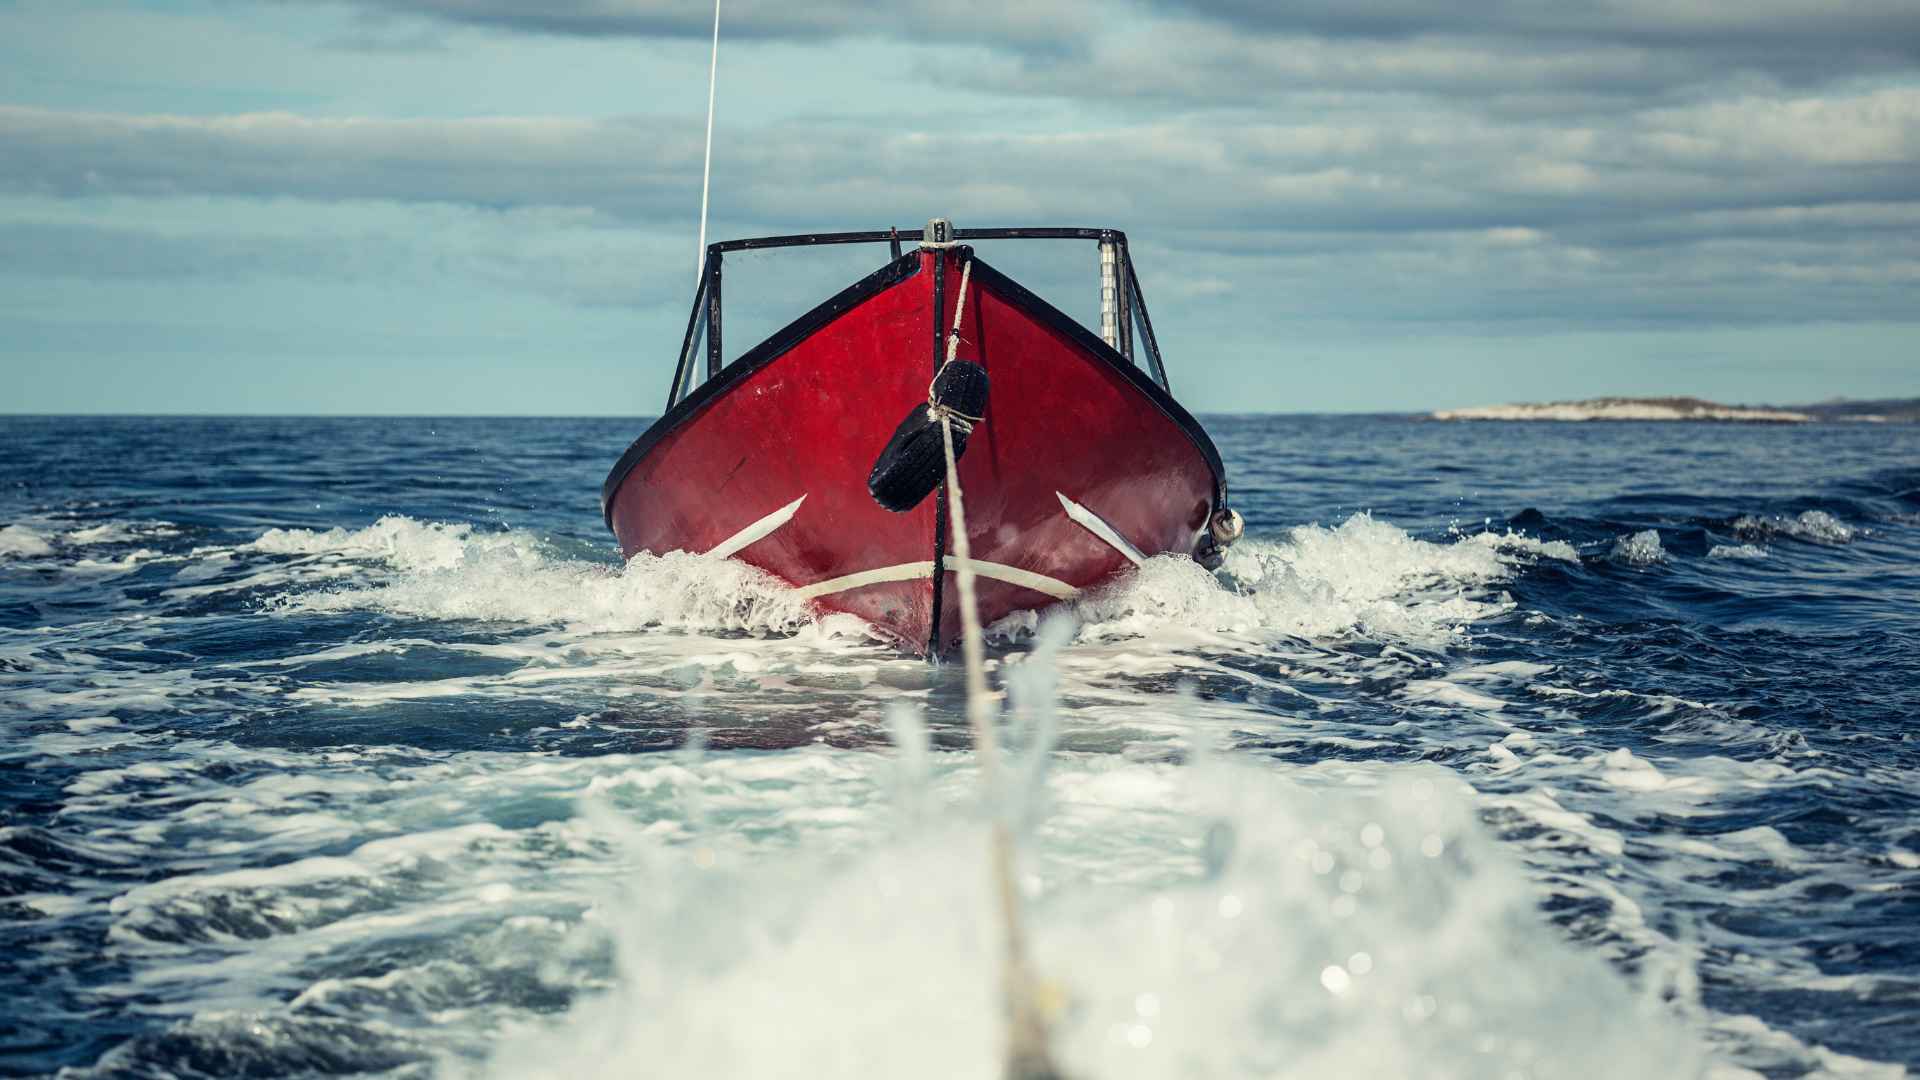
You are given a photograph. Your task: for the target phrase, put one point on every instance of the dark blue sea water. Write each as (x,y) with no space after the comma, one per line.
(1505,750)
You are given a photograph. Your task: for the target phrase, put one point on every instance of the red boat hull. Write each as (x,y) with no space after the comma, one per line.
(801,419)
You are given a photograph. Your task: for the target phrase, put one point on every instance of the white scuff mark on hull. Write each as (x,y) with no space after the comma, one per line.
(877,576)
(758,530)
(1012,575)
(1094,524)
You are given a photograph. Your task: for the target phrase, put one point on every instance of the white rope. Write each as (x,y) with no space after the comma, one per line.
(1027,1055)
(706,173)
(935,410)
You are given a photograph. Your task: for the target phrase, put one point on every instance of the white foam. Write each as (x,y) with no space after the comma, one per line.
(1820,525)
(124,564)
(455,572)
(21,541)
(507,584)
(398,541)
(1817,526)
(1737,551)
(1362,575)
(794,886)
(1193,919)
(1639,549)
(202,567)
(1446,692)
(120,532)
(1519,542)
(1522,671)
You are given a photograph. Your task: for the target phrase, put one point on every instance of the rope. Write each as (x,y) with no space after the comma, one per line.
(947,414)
(1027,1055)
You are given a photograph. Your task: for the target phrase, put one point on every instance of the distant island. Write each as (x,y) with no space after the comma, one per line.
(1692,408)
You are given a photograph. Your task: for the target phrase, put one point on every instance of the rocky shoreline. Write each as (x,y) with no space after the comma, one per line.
(1690,408)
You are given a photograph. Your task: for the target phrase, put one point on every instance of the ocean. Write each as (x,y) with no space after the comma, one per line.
(349,747)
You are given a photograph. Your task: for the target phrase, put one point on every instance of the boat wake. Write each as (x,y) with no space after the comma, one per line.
(298,859)
(1262,923)
(1363,576)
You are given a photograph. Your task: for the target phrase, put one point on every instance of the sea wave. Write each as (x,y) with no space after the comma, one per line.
(1639,549)
(1816,526)
(21,541)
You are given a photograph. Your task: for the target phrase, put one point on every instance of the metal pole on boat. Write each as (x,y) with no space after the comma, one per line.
(706,173)
(1109,294)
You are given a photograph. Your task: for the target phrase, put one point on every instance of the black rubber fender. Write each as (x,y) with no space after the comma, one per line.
(914,462)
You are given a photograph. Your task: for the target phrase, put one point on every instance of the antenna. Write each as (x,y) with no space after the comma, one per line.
(706,173)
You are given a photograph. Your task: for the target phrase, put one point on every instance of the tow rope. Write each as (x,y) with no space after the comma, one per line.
(908,468)
(939,409)
(1028,1055)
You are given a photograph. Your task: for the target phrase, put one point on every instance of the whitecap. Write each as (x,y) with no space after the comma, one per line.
(1816,526)
(120,532)
(1519,542)
(21,541)
(1639,549)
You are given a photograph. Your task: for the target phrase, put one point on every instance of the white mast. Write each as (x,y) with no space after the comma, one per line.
(706,174)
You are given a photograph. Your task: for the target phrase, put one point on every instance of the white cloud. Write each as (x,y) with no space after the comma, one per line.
(1721,210)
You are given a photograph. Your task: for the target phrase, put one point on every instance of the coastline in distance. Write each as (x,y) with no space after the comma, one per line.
(1691,408)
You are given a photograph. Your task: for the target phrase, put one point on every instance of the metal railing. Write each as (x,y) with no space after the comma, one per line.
(1125,305)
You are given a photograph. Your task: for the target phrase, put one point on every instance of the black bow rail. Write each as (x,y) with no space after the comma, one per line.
(704,323)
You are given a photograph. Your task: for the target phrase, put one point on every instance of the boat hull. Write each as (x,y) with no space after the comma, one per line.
(1079,457)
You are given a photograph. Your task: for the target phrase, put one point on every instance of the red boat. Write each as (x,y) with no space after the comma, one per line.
(1080,466)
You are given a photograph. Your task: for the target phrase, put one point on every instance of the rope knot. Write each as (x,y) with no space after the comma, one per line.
(947,414)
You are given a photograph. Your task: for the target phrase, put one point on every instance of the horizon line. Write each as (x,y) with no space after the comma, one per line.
(5,414)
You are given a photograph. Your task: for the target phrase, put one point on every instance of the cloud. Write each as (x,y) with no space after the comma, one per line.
(1374,162)
(1795,39)
(1526,52)
(1424,168)
(1012,23)
(498,162)
(1858,22)
(572,257)
(1799,208)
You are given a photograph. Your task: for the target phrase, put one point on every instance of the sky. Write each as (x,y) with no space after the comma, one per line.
(491,206)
